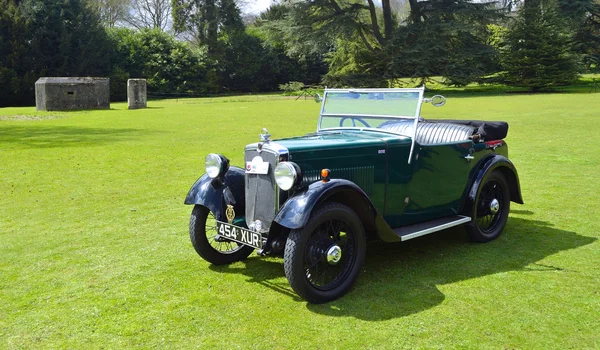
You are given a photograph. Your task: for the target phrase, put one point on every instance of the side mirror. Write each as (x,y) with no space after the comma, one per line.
(436,101)
(318,98)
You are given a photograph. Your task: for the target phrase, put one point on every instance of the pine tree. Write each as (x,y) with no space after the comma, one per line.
(14,75)
(539,52)
(448,38)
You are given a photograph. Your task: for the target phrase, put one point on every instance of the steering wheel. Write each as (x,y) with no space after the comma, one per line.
(354,119)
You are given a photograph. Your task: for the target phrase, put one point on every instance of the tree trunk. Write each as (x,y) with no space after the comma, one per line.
(415,11)
(387,19)
(211,26)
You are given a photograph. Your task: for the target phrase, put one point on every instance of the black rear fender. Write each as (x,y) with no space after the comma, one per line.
(487,165)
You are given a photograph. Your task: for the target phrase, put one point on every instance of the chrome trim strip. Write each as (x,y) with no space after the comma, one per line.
(412,146)
(271,146)
(322,109)
(373,116)
(463,220)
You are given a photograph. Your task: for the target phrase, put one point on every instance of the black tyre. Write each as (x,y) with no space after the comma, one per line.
(323,259)
(211,246)
(490,210)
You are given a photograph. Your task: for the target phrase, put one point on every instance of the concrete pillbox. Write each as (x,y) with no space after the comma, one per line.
(72,93)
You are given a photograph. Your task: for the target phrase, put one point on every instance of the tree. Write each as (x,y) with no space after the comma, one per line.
(306,64)
(67,39)
(150,14)
(368,45)
(583,17)
(48,38)
(205,20)
(169,66)
(112,12)
(448,38)
(538,53)
(14,75)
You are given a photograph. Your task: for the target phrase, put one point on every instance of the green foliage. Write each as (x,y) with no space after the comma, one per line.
(539,52)
(67,39)
(246,65)
(352,64)
(447,37)
(583,18)
(291,87)
(168,65)
(206,20)
(497,35)
(48,38)
(298,60)
(15,77)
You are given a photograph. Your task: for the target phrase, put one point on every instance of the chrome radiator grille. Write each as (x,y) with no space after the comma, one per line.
(262,193)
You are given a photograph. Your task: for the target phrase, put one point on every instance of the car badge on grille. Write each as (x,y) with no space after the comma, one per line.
(230,213)
(257,225)
(257,166)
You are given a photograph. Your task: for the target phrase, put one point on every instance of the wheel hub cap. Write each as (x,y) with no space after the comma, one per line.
(334,255)
(494,206)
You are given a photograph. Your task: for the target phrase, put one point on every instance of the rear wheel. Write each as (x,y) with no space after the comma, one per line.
(490,211)
(323,259)
(210,245)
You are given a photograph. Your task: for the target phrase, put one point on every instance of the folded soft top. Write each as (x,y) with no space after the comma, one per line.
(489,131)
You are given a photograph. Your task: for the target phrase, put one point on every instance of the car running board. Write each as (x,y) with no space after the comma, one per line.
(424,228)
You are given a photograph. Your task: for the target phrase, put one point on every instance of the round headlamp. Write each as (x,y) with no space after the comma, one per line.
(215,165)
(286,175)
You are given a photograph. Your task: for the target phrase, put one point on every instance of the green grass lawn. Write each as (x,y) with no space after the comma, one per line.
(95,253)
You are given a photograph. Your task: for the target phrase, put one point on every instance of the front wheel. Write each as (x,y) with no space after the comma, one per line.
(490,211)
(211,246)
(323,259)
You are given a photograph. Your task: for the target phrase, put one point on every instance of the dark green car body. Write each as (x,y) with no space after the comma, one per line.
(402,178)
(435,182)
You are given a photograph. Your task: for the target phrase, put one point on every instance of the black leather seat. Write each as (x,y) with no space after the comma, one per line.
(432,133)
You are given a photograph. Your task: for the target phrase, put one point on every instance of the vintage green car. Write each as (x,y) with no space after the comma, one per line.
(373,170)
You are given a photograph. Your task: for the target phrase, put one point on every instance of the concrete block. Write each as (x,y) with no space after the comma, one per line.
(136,93)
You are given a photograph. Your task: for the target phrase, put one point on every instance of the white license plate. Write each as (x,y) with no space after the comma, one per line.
(257,167)
(239,234)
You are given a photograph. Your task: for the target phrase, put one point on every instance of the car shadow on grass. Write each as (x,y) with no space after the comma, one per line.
(401,279)
(37,136)
(266,271)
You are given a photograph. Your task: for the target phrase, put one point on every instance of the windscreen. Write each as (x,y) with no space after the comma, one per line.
(369,109)
(396,103)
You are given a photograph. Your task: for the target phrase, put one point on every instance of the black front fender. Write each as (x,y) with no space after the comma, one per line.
(295,213)
(216,194)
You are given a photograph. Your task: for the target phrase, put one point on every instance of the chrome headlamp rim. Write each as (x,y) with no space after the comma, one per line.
(215,165)
(286,175)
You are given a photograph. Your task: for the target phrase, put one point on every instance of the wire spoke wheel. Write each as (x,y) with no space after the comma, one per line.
(323,259)
(487,218)
(491,209)
(217,241)
(319,272)
(211,246)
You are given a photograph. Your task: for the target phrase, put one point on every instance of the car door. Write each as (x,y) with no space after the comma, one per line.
(439,181)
